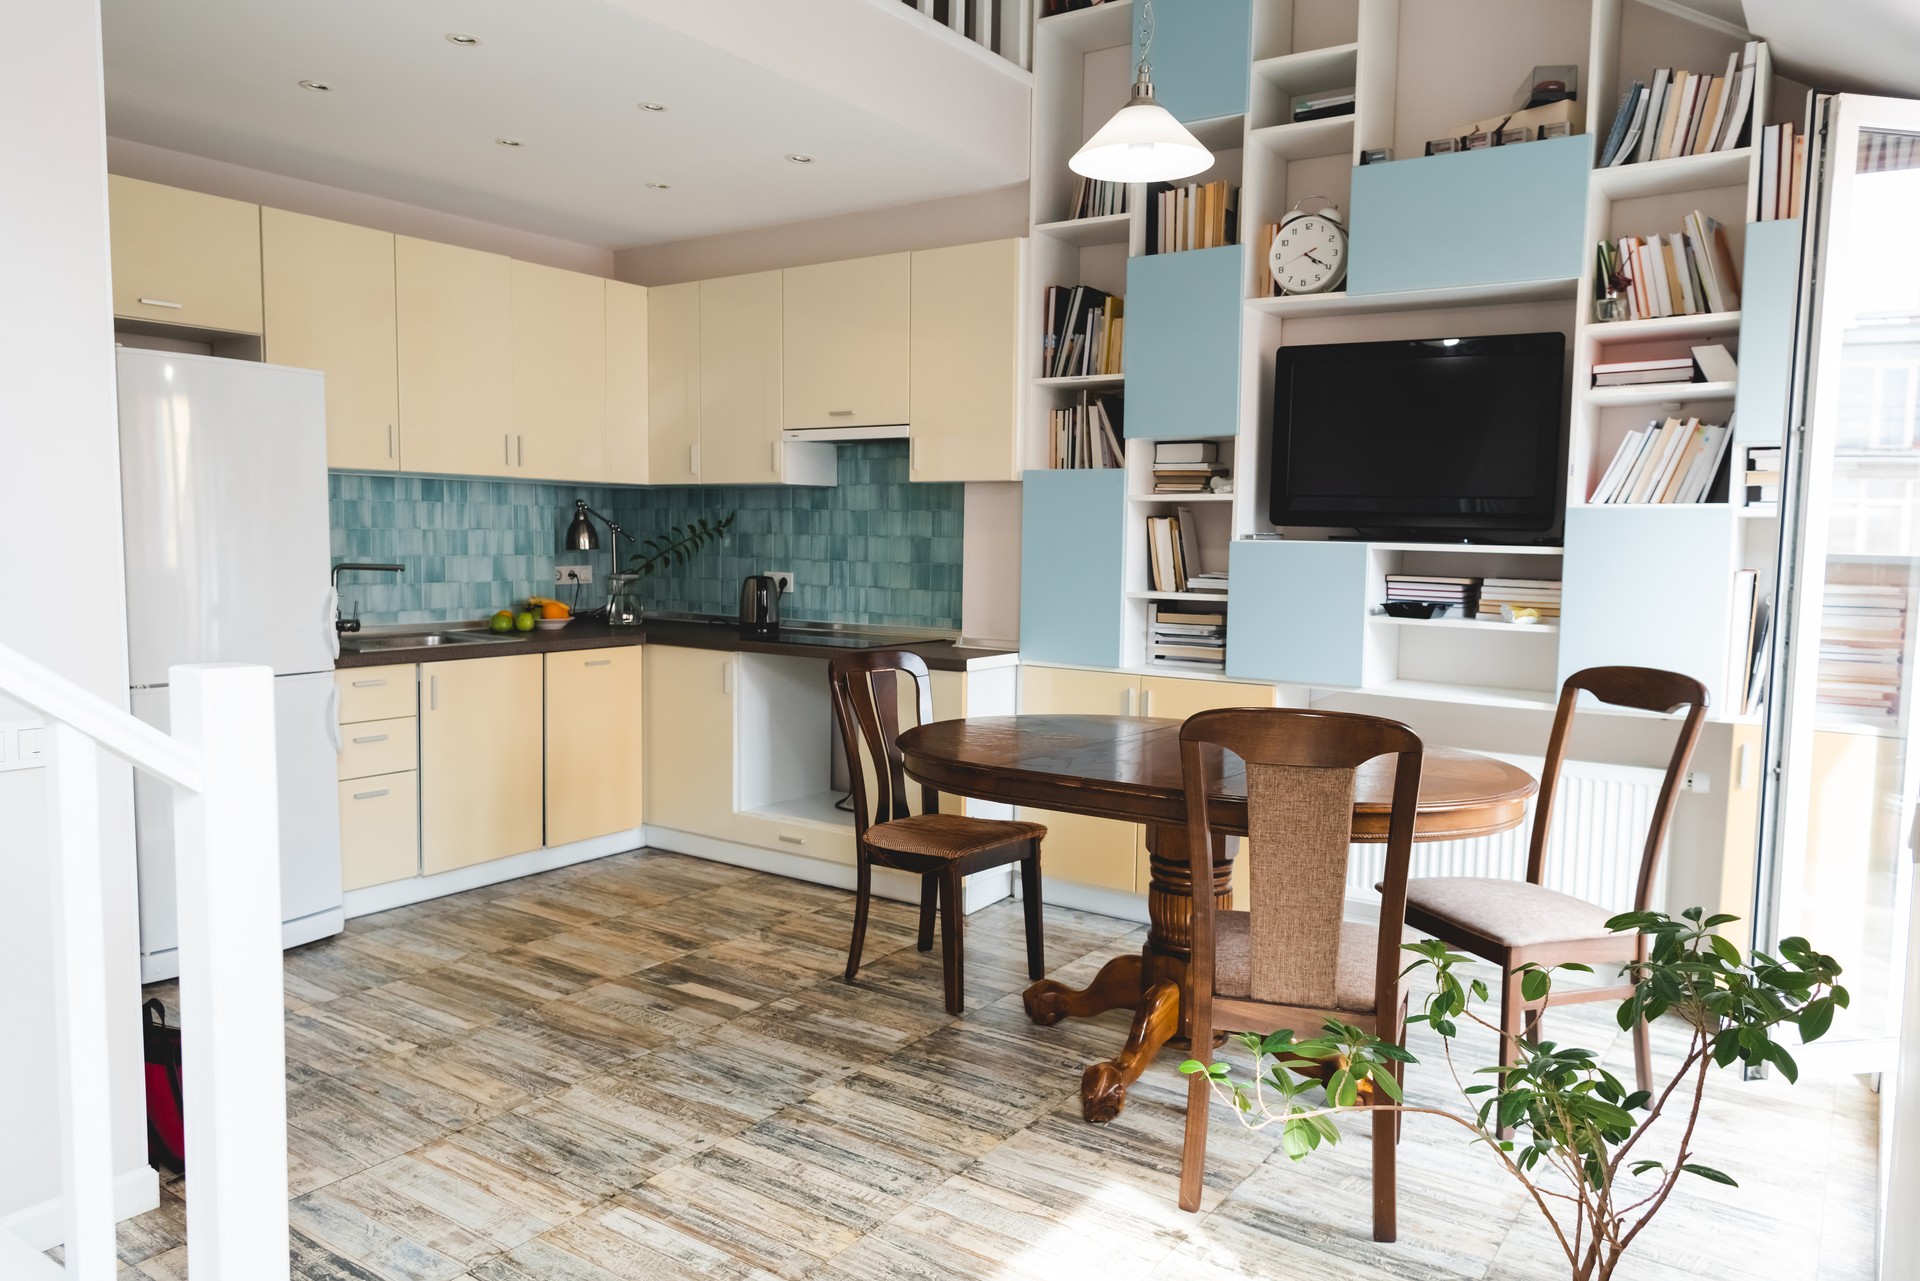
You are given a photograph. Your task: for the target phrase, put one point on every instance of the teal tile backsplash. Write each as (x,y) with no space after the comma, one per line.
(874,549)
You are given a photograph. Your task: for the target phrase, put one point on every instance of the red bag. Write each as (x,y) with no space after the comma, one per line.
(166,1117)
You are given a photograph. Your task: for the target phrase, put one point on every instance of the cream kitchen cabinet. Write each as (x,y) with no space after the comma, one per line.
(379,776)
(595,742)
(845,342)
(740,380)
(455,323)
(627,338)
(329,298)
(673,384)
(480,760)
(964,361)
(1175,698)
(184,258)
(690,739)
(559,374)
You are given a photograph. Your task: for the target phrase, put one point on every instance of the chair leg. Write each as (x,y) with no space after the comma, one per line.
(1642,1056)
(1193,1151)
(952,923)
(929,892)
(862,900)
(1036,928)
(1513,1022)
(1386,1185)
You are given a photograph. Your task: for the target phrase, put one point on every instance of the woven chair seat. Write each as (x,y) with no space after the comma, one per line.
(1510,913)
(949,835)
(1353,981)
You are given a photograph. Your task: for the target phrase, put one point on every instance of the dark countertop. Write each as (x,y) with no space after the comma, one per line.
(723,634)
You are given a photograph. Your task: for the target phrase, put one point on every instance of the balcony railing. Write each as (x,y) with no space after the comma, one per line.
(998,26)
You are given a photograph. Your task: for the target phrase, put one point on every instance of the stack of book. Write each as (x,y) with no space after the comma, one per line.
(1173,555)
(1186,466)
(1052,8)
(1863,633)
(1262,250)
(1783,172)
(1321,105)
(1097,197)
(1685,113)
(1187,635)
(1198,215)
(1462,595)
(1711,363)
(1752,620)
(1689,273)
(1498,595)
(1085,434)
(1085,329)
(1672,462)
(1762,477)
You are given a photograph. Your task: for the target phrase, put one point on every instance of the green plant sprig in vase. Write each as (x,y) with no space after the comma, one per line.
(678,544)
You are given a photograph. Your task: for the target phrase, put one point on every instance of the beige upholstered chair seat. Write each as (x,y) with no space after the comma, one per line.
(1512,913)
(1354,977)
(949,835)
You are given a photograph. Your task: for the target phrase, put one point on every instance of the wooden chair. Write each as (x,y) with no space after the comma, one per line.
(1291,960)
(1512,923)
(942,849)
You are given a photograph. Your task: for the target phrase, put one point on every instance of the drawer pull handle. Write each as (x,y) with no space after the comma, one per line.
(371,738)
(839,413)
(793,840)
(369,684)
(368,796)
(600,662)
(161,302)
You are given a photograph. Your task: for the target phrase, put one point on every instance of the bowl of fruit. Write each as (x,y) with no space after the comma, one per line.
(549,615)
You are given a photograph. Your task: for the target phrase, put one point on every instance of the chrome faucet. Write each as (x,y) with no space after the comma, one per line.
(341,624)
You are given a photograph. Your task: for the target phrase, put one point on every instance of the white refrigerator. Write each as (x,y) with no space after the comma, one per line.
(223,481)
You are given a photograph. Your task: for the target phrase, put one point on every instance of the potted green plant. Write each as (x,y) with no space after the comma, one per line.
(1578,1154)
(675,547)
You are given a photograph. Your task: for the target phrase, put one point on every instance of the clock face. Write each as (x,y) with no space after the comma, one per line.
(1309,255)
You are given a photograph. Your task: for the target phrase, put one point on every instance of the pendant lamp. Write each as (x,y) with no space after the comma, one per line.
(1143,142)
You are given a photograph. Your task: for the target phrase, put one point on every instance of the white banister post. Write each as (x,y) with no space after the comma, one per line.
(227,852)
(80,1003)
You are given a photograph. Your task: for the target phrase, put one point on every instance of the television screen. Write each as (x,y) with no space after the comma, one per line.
(1444,434)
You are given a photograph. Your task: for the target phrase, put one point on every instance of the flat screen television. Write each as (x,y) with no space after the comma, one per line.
(1447,438)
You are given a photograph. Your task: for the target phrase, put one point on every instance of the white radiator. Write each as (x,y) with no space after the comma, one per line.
(1599,831)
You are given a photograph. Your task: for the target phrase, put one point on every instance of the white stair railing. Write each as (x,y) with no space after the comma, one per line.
(219,760)
(998,26)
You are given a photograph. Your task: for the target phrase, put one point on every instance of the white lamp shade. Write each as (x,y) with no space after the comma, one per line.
(1142,143)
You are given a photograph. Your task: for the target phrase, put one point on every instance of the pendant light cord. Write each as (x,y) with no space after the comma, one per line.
(1145,69)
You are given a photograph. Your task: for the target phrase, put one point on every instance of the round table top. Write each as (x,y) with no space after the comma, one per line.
(1128,768)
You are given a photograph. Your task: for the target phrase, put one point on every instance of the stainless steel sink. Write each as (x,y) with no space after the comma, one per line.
(361,644)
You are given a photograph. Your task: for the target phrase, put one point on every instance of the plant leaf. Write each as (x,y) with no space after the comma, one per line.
(1709,1173)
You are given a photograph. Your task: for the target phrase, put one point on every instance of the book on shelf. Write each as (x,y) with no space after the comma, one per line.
(1676,461)
(1054,8)
(1097,197)
(1433,587)
(1746,664)
(1783,173)
(1715,364)
(1186,634)
(1086,433)
(1083,332)
(1688,273)
(1321,105)
(1194,215)
(1498,596)
(1634,373)
(1762,475)
(1684,113)
(1188,467)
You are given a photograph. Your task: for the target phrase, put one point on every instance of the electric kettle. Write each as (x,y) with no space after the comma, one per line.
(759,605)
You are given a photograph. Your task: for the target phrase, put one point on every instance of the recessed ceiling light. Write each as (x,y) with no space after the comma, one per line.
(653,106)
(506,142)
(462,38)
(660,186)
(318,86)
(799,158)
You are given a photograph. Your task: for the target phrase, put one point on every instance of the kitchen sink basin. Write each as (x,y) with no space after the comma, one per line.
(362,644)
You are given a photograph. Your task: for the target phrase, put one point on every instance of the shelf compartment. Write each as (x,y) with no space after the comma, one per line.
(1291,73)
(1467,624)
(1107,229)
(1345,304)
(1659,394)
(1331,136)
(1675,175)
(1656,327)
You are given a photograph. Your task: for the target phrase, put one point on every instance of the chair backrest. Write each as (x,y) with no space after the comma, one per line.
(1300,769)
(866,706)
(1648,689)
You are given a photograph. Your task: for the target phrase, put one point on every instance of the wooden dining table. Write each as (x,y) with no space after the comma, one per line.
(1128,768)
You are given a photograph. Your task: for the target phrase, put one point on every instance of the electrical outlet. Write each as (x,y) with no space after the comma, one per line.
(782,577)
(1696,781)
(564,574)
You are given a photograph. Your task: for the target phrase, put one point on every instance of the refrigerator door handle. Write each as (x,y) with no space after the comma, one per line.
(333,718)
(332,616)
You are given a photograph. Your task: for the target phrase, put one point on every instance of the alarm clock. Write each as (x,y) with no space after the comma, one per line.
(1309,253)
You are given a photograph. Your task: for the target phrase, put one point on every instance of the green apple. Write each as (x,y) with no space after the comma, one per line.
(523,621)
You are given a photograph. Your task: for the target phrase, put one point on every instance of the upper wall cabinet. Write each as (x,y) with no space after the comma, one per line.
(183,258)
(1202,52)
(740,380)
(559,374)
(456,358)
(626,383)
(964,393)
(673,384)
(328,290)
(845,337)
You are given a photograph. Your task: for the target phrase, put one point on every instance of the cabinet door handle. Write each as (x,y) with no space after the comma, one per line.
(520,451)
(839,413)
(1132,696)
(726,677)
(161,302)
(693,460)
(506,450)
(913,455)
(599,662)
(774,453)
(433,693)
(792,840)
(369,684)
(393,441)
(1146,702)
(368,796)
(371,738)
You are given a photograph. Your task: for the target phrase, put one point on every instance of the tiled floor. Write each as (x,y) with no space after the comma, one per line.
(648,1067)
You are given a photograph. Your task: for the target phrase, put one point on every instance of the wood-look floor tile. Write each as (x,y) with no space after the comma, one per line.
(312,1261)
(401,1251)
(348,1130)
(624,1242)
(395,1081)
(329,1041)
(608,948)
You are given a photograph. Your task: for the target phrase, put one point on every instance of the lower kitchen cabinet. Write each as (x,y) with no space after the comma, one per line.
(480,760)
(595,740)
(689,739)
(379,829)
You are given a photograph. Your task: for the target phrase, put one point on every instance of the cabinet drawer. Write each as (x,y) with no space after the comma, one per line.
(379,747)
(379,829)
(376,693)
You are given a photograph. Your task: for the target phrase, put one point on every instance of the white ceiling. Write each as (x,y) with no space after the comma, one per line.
(1870,46)
(892,111)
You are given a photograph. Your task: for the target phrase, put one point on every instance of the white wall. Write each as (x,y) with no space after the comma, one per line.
(59,501)
(990,566)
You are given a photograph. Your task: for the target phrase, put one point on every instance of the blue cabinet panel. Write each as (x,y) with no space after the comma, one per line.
(1202,56)
(1475,218)
(1769,285)
(1072,532)
(1183,343)
(1298,612)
